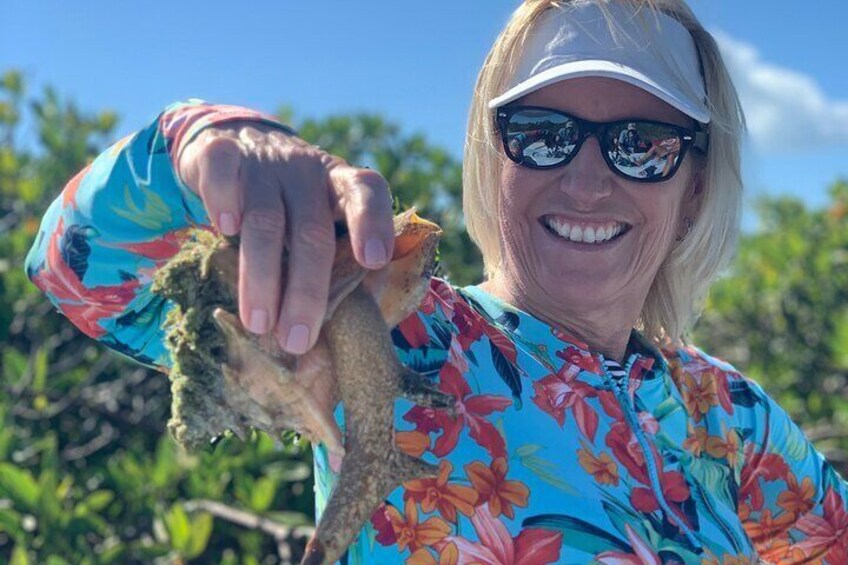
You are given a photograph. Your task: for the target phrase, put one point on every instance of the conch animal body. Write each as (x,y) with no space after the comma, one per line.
(227,378)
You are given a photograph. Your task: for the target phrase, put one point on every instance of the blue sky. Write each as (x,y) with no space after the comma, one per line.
(416,62)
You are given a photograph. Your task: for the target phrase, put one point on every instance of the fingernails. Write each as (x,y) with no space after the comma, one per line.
(375,253)
(227,223)
(258,321)
(298,339)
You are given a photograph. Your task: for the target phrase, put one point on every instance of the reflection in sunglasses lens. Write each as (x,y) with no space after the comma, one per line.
(643,150)
(541,138)
(639,150)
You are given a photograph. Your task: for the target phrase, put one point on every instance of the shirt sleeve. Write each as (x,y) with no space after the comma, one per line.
(116,222)
(792,502)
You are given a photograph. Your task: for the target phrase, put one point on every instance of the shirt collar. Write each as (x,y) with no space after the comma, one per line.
(552,346)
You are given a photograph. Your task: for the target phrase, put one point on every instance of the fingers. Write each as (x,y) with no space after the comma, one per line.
(211,169)
(275,190)
(312,246)
(263,226)
(364,197)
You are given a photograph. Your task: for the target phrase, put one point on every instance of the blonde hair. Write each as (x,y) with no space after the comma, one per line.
(676,297)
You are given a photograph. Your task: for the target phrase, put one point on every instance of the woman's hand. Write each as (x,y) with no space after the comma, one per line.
(275,189)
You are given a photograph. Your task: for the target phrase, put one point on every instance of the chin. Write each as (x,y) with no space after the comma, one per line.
(577,288)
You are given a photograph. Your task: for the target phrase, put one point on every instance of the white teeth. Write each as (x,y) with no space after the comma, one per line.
(576,234)
(588,234)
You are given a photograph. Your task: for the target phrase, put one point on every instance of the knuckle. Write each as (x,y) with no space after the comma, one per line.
(317,235)
(371,178)
(264,221)
(221,148)
(304,163)
(362,178)
(366,189)
(261,146)
(331,161)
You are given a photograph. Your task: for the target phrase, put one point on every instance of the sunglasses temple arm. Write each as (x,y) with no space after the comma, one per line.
(702,140)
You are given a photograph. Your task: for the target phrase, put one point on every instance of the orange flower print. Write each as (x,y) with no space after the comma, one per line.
(700,397)
(768,526)
(601,467)
(799,498)
(734,447)
(413,442)
(696,443)
(438,493)
(727,559)
(675,367)
(492,487)
(708,375)
(448,555)
(409,533)
(783,551)
(724,448)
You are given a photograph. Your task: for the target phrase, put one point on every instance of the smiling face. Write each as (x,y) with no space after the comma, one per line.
(618,231)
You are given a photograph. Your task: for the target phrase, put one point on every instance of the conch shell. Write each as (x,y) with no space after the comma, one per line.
(224,377)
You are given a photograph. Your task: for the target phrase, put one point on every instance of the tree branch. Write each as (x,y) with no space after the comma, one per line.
(107,434)
(283,535)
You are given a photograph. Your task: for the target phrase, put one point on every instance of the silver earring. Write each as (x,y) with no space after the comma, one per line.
(687,221)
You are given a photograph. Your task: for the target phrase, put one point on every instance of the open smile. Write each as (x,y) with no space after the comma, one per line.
(592,233)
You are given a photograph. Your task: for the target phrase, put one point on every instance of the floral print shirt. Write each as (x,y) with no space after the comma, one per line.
(548,458)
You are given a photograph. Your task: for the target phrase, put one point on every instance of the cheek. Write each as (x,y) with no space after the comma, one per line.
(517,190)
(664,209)
(511,181)
(520,186)
(514,198)
(663,218)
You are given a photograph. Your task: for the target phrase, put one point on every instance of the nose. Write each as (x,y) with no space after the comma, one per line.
(587,178)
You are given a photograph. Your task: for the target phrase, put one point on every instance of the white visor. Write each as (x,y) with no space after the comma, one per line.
(645,48)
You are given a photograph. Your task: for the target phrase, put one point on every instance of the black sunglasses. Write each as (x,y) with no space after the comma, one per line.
(636,149)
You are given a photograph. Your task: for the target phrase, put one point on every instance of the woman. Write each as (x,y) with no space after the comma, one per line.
(585,430)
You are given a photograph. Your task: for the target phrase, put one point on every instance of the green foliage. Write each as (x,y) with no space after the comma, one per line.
(781,314)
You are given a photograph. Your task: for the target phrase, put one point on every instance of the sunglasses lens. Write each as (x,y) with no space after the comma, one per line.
(639,150)
(643,150)
(540,138)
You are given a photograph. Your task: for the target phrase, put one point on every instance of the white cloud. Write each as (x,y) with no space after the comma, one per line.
(786,110)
